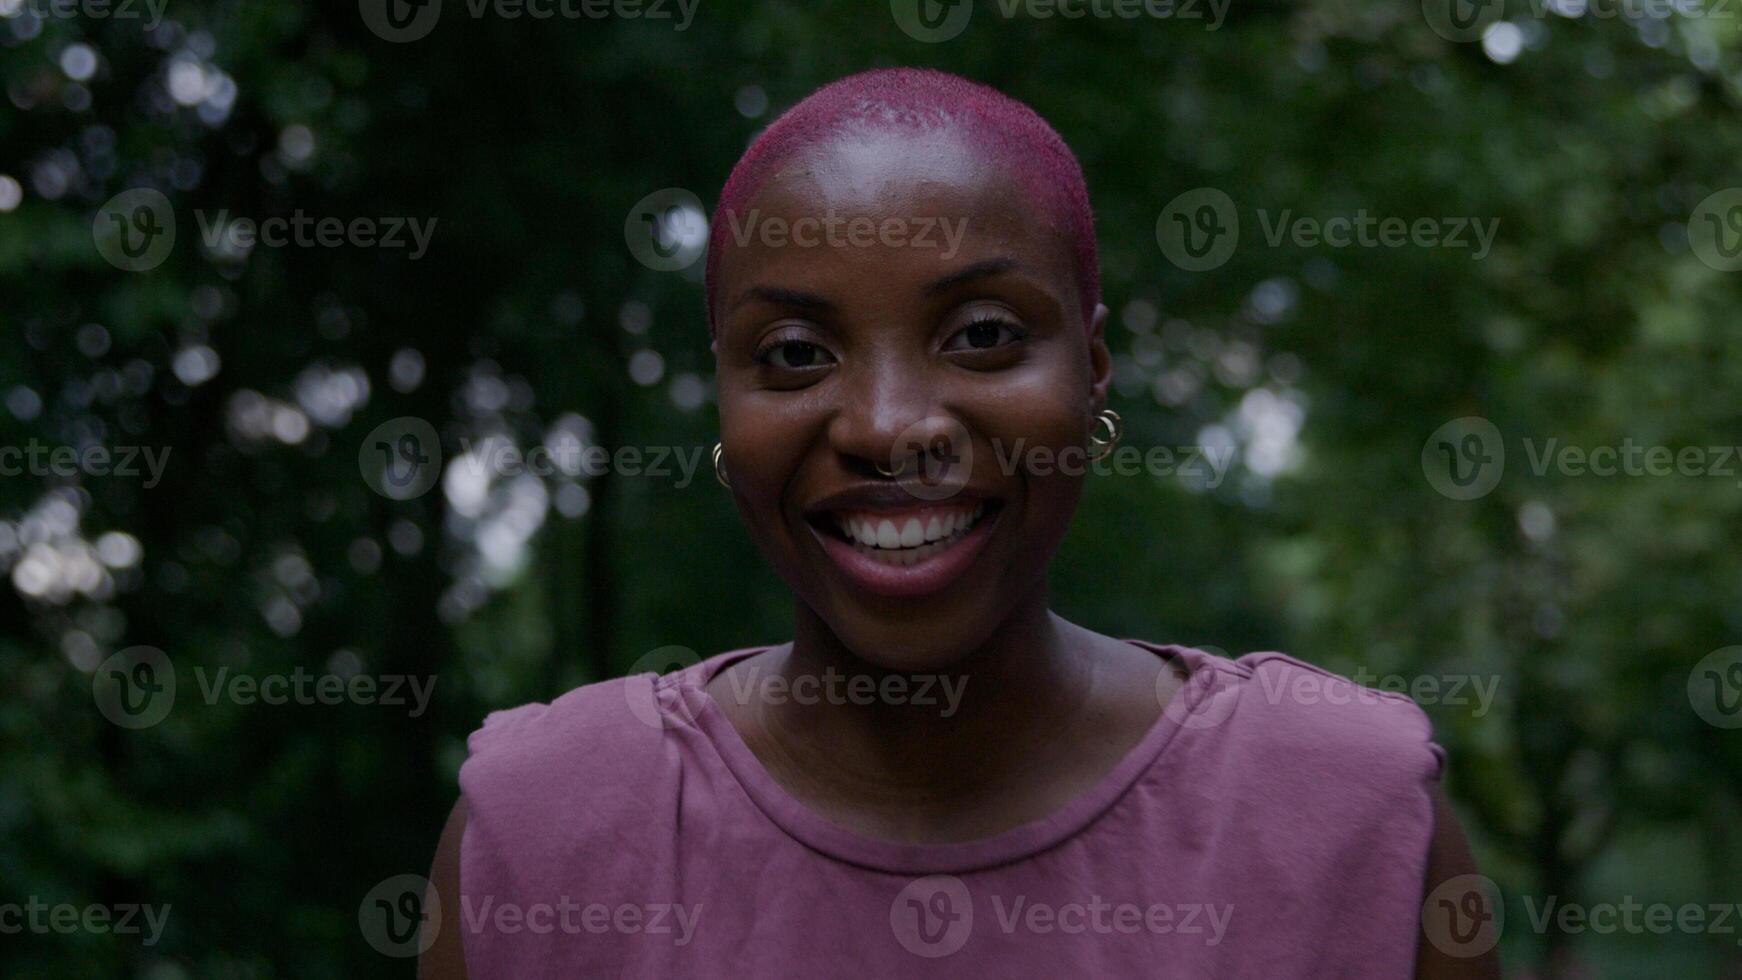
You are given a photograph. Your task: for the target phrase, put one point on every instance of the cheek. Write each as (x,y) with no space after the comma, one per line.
(765,439)
(1036,421)
(1044,405)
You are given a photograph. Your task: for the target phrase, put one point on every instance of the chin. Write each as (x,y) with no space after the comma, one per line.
(909,646)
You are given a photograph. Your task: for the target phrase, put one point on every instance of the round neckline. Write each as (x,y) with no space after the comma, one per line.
(819,833)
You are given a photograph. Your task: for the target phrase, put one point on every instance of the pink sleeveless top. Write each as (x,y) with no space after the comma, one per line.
(1273,823)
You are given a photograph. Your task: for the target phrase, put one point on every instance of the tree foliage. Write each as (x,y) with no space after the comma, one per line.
(1591,139)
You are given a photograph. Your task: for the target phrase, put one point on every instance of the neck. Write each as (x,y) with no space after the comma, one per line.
(939,735)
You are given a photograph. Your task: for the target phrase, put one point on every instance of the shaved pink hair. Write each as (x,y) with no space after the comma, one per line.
(920,100)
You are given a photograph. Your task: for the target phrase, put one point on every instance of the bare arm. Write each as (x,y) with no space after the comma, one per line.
(445,959)
(1448,857)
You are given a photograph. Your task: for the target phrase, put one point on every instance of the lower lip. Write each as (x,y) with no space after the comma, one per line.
(906,581)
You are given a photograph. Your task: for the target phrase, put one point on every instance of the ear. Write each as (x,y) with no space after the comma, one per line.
(1100,360)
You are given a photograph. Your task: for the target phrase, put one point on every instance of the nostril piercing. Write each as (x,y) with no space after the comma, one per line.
(889,474)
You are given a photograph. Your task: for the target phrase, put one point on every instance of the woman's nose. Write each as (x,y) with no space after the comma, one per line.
(884,415)
(894,422)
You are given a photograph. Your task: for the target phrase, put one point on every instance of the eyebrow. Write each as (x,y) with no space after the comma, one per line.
(782,296)
(979,270)
(785,297)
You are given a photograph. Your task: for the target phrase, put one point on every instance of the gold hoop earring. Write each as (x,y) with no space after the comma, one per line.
(1103,447)
(720,466)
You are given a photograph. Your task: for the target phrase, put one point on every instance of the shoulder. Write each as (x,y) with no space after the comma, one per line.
(607,750)
(1325,786)
(1301,724)
(550,791)
(585,781)
(529,734)
(585,741)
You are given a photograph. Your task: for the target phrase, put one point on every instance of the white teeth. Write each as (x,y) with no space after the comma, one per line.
(905,556)
(912,535)
(887,536)
(915,540)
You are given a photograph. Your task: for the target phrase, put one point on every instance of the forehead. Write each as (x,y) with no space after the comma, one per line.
(917,189)
(865,166)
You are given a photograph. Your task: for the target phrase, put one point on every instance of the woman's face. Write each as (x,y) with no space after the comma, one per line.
(925,320)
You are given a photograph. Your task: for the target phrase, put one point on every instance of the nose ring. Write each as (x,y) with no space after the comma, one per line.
(889,474)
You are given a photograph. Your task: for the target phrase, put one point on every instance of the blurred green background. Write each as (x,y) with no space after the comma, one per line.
(1591,136)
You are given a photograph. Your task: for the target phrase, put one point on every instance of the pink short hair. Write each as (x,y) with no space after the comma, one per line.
(1011,134)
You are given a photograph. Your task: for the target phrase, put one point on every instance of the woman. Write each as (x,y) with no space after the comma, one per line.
(937,775)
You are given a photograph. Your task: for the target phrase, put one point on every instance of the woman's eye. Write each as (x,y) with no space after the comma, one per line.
(794,355)
(983,335)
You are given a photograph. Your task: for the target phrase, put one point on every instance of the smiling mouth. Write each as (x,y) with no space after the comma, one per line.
(906,537)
